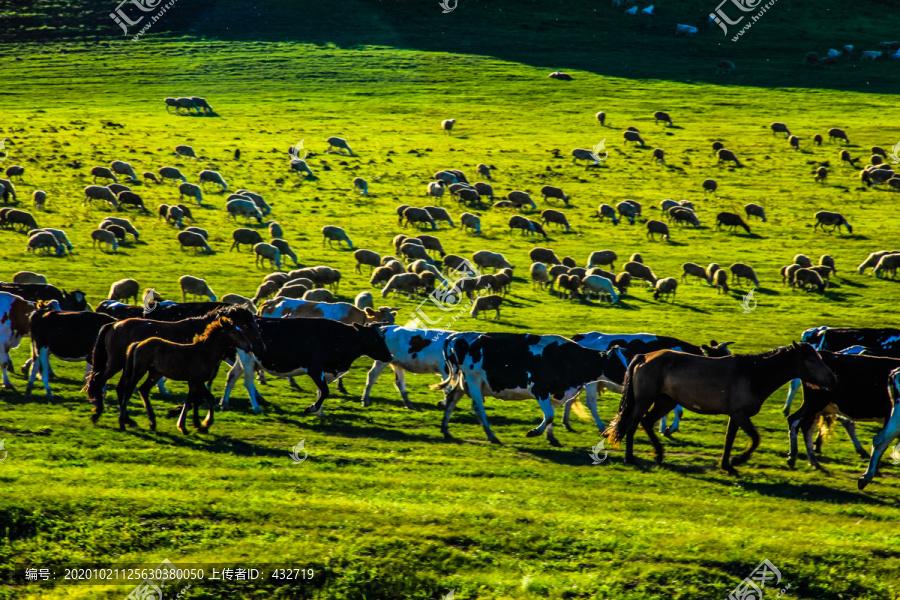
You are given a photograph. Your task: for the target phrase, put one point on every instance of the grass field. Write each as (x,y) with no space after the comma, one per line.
(383,507)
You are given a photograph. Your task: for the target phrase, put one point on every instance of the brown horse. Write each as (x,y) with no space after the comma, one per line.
(734,385)
(196,363)
(109,353)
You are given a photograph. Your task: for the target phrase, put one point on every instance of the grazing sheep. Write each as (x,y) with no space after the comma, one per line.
(555,272)
(520,199)
(213,177)
(602,286)
(171,173)
(755,210)
(296,289)
(123,223)
(439,214)
(175,215)
(709,185)
(484,189)
(98,192)
(239,300)
(19,218)
(845,157)
(502,204)
(486,303)
(809,279)
(265,290)
(657,227)
(834,219)
(602,257)
(873,259)
(665,205)
(667,287)
(544,255)
(416,215)
(361,185)
(728,155)
(605,210)
(299,166)
(732,220)
(284,248)
(695,270)
(887,263)
(549,191)
(381,275)
(794,141)
(583,154)
(539,275)
(743,271)
(185,151)
(447,177)
(103,173)
(570,285)
(780,128)
(39,198)
(275,229)
(339,144)
(601,118)
(787,273)
(659,155)
(821,174)
(44,240)
(148,176)
(202,232)
(243,208)
(395,265)
(662,116)
(367,257)
(266,252)
(194,286)
(202,105)
(636,269)
(560,76)
(319,296)
(129,198)
(245,236)
(717,146)
(332,233)
(364,300)
(681,214)
(838,134)
(472,196)
(447,125)
(470,221)
(803,261)
(117,231)
(721,280)
(879,151)
(724,67)
(260,202)
(403,282)
(192,191)
(494,260)
(636,258)
(191,239)
(826,260)
(817,140)
(633,136)
(623,282)
(125,289)
(415,251)
(429,242)
(628,210)
(103,236)
(484,171)
(876,159)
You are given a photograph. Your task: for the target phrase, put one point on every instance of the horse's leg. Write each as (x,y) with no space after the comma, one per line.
(850,426)
(208,420)
(124,391)
(182,418)
(451,397)
(318,378)
(729,442)
(340,385)
(750,430)
(661,407)
(372,376)
(144,392)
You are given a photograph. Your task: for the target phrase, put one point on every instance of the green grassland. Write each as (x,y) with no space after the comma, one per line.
(383,507)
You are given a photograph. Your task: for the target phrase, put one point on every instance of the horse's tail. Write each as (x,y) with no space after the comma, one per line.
(95,384)
(825,424)
(622,423)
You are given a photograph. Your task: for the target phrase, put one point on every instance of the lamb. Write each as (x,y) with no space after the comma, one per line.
(171,173)
(662,116)
(243,208)
(436,189)
(605,210)
(732,220)
(628,210)
(520,199)
(361,185)
(486,303)
(439,214)
(239,300)
(636,269)
(743,271)
(721,279)
(403,282)
(299,166)
(333,233)
(195,287)
(429,242)
(415,251)
(125,289)
(555,272)
(502,204)
(654,227)
(275,229)
(709,185)
(367,257)
(470,221)
(821,174)
(724,67)
(44,240)
(175,215)
(484,189)
(148,176)
(695,270)
(24,220)
(826,260)
(888,262)
(103,236)
(417,215)
(192,191)
(190,239)
(803,261)
(268,252)
(845,157)
(555,216)
(494,260)
(666,286)
(339,144)
(98,192)
(680,213)
(780,128)
(103,173)
(484,171)
(755,210)
(583,154)
(872,260)
(809,279)
(539,275)
(447,125)
(213,177)
(560,76)
(794,142)
(544,255)
(123,223)
(570,285)
(838,134)
(633,136)
(726,155)
(185,151)
(622,282)
(549,191)
(602,257)
(602,286)
(39,198)
(659,155)
(15,171)
(834,219)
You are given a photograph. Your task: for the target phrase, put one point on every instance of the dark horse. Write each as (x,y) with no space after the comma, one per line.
(196,363)
(734,385)
(113,340)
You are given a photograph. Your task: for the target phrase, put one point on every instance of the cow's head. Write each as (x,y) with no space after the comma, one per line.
(714,349)
(245,322)
(372,344)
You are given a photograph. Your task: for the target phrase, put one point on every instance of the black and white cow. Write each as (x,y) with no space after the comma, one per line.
(67,335)
(35,292)
(320,348)
(165,310)
(516,366)
(860,395)
(888,434)
(632,345)
(419,351)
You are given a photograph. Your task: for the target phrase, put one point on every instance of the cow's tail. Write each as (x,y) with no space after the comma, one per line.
(454,373)
(825,424)
(95,384)
(623,421)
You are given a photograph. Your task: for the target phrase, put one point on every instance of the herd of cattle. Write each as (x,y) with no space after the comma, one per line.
(847,374)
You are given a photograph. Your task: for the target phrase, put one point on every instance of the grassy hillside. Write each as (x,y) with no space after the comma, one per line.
(383,507)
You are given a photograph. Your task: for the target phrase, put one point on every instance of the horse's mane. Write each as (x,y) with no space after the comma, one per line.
(212,329)
(228,310)
(775,351)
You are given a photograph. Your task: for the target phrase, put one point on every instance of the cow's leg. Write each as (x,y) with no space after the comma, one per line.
(883,438)
(400,384)
(678,412)
(795,385)
(850,426)
(294,384)
(318,378)
(161,384)
(478,409)
(547,422)
(750,430)
(372,376)
(233,374)
(6,366)
(39,363)
(340,385)
(452,395)
(729,442)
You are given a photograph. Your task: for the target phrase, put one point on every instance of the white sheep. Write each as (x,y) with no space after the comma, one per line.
(268,252)
(340,144)
(332,233)
(171,173)
(29,277)
(191,239)
(470,221)
(185,151)
(361,185)
(447,125)
(245,208)
(195,287)
(125,289)
(595,284)
(239,300)
(123,168)
(103,236)
(191,190)
(213,177)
